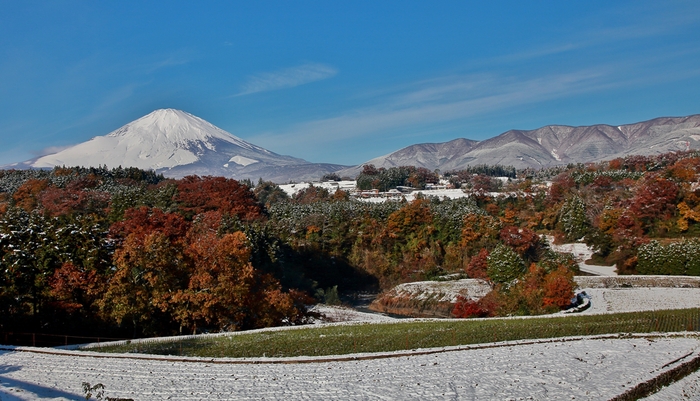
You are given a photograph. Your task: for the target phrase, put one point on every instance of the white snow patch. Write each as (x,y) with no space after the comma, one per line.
(345,314)
(448,291)
(614,300)
(555,155)
(243,161)
(331,186)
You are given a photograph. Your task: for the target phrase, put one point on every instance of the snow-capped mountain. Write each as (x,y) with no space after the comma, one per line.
(549,146)
(176,144)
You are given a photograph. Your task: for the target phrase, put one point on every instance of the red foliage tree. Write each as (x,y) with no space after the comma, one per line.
(468,308)
(483,183)
(524,241)
(655,198)
(560,188)
(311,194)
(73,288)
(200,194)
(66,201)
(477,265)
(144,221)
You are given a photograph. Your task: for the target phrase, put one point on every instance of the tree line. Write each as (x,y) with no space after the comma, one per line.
(129,251)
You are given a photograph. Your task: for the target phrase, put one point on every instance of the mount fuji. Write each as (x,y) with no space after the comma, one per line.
(176,144)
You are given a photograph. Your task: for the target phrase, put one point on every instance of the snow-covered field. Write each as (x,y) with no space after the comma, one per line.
(590,368)
(583,369)
(635,299)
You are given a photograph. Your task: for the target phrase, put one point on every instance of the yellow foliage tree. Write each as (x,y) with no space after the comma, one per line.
(686,214)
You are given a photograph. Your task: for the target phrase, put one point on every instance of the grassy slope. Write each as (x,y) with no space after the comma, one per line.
(347,339)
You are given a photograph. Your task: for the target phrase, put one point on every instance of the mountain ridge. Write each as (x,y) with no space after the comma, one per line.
(176,143)
(552,145)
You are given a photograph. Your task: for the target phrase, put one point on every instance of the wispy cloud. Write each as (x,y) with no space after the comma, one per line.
(438,101)
(287,78)
(179,57)
(504,82)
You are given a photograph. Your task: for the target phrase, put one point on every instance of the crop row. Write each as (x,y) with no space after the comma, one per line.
(385,337)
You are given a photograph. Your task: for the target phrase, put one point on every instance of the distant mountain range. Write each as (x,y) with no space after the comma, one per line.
(549,146)
(176,144)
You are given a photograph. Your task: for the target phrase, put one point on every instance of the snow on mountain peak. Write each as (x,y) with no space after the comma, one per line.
(163,139)
(178,128)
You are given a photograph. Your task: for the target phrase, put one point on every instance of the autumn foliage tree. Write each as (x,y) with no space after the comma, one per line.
(149,265)
(478,265)
(655,198)
(200,194)
(74,288)
(27,195)
(469,308)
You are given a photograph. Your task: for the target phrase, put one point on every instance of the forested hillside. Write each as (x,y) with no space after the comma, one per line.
(130,252)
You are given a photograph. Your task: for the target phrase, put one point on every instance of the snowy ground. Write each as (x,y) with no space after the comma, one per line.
(346,314)
(685,389)
(583,252)
(635,299)
(583,369)
(443,291)
(331,186)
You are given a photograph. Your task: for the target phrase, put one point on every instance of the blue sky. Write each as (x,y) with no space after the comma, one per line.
(341,82)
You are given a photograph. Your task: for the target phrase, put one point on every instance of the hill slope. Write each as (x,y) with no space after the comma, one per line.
(550,145)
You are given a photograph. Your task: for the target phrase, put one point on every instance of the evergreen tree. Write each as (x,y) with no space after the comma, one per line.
(504,265)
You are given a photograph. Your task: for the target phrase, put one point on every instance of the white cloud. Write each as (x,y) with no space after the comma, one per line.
(287,78)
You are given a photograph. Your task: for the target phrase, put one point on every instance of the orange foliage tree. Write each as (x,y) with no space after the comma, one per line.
(227,292)
(27,195)
(558,288)
(478,265)
(150,266)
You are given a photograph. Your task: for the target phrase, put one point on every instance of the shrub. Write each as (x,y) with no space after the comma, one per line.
(677,258)
(467,308)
